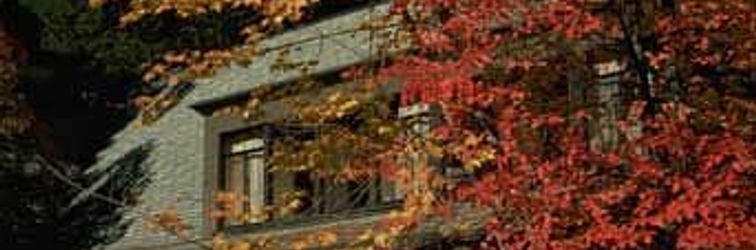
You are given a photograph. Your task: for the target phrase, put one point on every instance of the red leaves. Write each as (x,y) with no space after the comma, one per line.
(666,176)
(435,41)
(709,34)
(727,236)
(559,17)
(484,192)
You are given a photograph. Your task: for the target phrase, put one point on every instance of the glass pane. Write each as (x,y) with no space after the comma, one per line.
(235,175)
(235,181)
(247,145)
(256,187)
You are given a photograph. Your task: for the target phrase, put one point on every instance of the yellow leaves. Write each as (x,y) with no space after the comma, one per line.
(382,130)
(299,245)
(251,2)
(482,157)
(472,140)
(252,108)
(279,11)
(327,238)
(314,240)
(464,226)
(399,223)
(175,57)
(334,97)
(473,152)
(16,117)
(291,207)
(274,12)
(230,206)
(169,221)
(335,106)
(216,6)
(193,64)
(14,125)
(154,72)
(222,242)
(364,236)
(346,106)
(253,33)
(243,245)
(134,16)
(382,240)
(434,149)
(257,214)
(219,241)
(96,3)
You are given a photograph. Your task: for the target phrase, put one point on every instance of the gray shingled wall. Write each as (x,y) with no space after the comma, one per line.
(177,159)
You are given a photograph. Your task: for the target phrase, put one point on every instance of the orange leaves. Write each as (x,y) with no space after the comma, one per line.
(183,65)
(274,12)
(229,207)
(528,158)
(315,240)
(473,152)
(223,242)
(169,221)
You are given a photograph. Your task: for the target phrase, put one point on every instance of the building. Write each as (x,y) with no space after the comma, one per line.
(197,154)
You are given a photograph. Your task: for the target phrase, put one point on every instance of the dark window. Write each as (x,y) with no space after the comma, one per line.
(269,192)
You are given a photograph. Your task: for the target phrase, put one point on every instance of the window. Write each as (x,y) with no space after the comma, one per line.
(417,119)
(246,168)
(244,173)
(283,195)
(609,98)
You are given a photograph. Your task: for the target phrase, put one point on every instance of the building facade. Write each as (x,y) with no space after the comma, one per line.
(196,154)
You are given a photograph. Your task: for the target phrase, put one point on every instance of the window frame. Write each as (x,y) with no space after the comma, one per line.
(269,133)
(256,151)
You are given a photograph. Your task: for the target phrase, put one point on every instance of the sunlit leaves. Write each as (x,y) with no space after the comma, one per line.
(185,65)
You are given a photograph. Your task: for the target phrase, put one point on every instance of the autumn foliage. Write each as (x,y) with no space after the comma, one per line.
(674,167)
(578,124)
